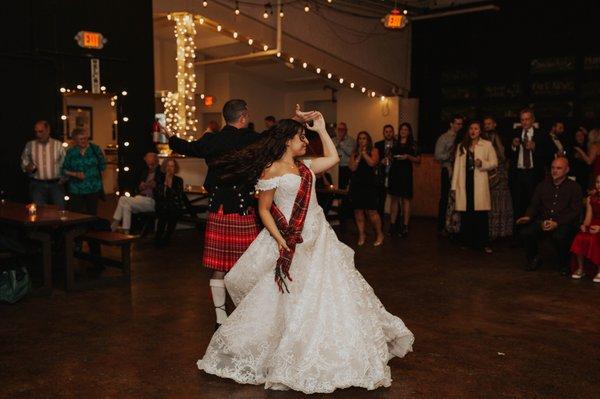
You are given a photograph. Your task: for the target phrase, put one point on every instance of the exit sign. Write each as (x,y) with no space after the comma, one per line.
(395,20)
(92,40)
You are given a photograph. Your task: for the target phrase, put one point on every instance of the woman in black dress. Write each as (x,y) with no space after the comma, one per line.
(363,186)
(400,180)
(170,201)
(579,167)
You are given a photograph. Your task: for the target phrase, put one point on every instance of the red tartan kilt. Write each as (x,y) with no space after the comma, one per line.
(226,238)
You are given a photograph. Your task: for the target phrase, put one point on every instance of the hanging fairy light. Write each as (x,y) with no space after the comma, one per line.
(306,8)
(205,3)
(237,8)
(179,115)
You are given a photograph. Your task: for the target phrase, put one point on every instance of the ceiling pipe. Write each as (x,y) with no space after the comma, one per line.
(490,7)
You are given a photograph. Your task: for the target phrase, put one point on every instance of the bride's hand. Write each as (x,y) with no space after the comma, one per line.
(303,116)
(318,123)
(282,244)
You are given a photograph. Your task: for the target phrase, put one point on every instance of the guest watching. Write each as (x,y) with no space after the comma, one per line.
(470,183)
(385,152)
(144,200)
(84,164)
(586,245)
(529,157)
(555,212)
(579,167)
(170,201)
(444,154)
(363,189)
(42,160)
(592,157)
(270,121)
(400,189)
(500,216)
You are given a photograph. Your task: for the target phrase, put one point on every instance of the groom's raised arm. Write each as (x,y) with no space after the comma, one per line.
(198,148)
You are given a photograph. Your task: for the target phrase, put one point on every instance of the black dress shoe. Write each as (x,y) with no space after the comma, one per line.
(534,264)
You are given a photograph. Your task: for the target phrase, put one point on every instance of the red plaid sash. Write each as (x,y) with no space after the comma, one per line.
(292,231)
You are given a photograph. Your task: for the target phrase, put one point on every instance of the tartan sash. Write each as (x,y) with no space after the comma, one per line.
(292,231)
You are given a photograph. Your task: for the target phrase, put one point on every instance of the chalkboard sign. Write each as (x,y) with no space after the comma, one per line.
(591,110)
(552,87)
(459,92)
(467,74)
(557,109)
(501,111)
(501,91)
(591,63)
(590,89)
(467,110)
(552,64)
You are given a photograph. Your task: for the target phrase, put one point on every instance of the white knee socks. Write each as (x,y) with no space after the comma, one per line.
(217,288)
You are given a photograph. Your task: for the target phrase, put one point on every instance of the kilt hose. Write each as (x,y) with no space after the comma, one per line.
(226,238)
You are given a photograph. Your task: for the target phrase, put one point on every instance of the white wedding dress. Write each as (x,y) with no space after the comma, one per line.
(329,332)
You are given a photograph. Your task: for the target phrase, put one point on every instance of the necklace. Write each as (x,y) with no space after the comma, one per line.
(292,166)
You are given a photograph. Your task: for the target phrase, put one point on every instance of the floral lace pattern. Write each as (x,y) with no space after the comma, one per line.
(329,332)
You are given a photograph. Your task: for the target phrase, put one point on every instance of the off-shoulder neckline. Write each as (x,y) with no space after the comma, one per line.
(280,176)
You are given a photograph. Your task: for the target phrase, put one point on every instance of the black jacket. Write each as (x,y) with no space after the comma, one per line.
(542,154)
(235,198)
(143,175)
(170,199)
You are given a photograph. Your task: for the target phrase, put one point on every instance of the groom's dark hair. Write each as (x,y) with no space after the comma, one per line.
(233,109)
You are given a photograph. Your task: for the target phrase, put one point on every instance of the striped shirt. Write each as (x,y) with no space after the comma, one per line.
(46,157)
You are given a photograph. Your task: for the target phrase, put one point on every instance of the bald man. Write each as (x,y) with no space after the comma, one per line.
(554,212)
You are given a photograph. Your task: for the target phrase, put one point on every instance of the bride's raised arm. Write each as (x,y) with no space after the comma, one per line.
(330,156)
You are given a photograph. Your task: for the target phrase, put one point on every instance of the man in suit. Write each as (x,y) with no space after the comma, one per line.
(530,154)
(385,152)
(560,143)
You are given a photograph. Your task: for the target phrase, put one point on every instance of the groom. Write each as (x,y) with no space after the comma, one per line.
(232,222)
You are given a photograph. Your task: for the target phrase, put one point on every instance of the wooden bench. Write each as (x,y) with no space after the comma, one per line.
(111,239)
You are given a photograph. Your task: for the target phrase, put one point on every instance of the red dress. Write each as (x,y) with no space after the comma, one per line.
(586,244)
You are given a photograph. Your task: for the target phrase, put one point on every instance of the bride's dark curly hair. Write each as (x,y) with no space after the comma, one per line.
(246,165)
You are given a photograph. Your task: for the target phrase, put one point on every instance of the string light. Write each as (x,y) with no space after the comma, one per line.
(329,75)
(382,98)
(341,80)
(281,14)
(306,8)
(205,3)
(291,60)
(62,89)
(219,27)
(279,54)
(318,70)
(127,194)
(178,105)
(352,85)
(126,168)
(125,119)
(237,8)
(126,144)
(124,93)
(363,89)
(79,87)
(235,35)
(250,41)
(373,94)
(266,48)
(405,12)
(63,117)
(304,65)
(103,88)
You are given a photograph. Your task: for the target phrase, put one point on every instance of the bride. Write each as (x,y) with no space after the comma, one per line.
(319,325)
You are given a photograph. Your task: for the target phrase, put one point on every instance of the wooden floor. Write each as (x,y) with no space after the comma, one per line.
(484,328)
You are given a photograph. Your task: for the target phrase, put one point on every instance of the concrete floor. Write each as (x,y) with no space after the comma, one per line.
(484,328)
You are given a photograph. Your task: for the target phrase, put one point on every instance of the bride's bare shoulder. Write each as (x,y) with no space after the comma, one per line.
(272,171)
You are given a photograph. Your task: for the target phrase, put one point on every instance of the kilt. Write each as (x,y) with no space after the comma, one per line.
(226,238)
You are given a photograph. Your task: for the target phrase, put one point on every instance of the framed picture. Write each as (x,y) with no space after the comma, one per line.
(79,117)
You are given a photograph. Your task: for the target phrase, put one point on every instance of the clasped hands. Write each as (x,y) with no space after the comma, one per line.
(547,225)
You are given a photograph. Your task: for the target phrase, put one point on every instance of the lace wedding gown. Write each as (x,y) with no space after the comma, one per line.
(329,332)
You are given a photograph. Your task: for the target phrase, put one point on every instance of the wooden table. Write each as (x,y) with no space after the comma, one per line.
(43,226)
(198,191)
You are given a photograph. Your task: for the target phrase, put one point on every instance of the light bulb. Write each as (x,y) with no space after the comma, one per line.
(363,89)
(265,47)
(124,93)
(352,85)
(62,90)
(304,65)
(405,12)
(219,27)
(318,70)
(265,14)
(205,3)
(103,88)
(329,75)
(237,11)
(67,198)
(341,80)
(382,98)
(63,117)
(291,60)
(125,119)
(79,87)
(281,14)
(235,35)
(373,94)
(306,8)
(278,54)
(250,41)
(127,194)
(126,168)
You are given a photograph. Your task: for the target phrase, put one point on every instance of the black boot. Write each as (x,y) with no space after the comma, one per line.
(393,231)
(404,231)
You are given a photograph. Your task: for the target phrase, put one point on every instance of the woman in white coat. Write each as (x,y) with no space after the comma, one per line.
(474,158)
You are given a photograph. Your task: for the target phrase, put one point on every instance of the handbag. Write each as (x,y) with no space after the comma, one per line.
(101,193)
(14,284)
